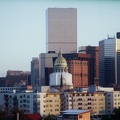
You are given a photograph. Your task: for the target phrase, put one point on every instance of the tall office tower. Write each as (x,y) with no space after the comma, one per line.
(109,61)
(61,30)
(35,72)
(94,52)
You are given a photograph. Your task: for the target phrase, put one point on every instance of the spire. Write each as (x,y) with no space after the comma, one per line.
(60,53)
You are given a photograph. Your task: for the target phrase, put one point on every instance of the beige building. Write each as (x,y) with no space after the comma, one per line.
(52,104)
(62,29)
(86,101)
(112,101)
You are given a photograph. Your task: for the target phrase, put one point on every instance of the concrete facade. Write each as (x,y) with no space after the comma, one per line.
(112,101)
(86,101)
(62,29)
(43,103)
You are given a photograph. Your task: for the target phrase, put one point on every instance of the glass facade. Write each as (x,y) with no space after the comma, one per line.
(109,57)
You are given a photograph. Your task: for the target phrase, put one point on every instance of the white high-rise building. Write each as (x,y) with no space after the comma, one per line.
(109,61)
(61,30)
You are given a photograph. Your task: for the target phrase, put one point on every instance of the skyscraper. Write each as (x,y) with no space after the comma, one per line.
(94,52)
(109,61)
(62,30)
(35,72)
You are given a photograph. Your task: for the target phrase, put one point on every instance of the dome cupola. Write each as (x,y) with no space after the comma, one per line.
(60,64)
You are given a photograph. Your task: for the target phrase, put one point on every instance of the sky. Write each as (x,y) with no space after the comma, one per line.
(23,27)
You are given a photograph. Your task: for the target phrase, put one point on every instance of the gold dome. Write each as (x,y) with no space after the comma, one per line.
(60,61)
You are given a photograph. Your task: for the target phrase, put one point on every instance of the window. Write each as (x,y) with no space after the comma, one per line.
(79,103)
(108,103)
(80,99)
(79,108)
(28,96)
(10,96)
(89,98)
(89,107)
(89,103)
(108,95)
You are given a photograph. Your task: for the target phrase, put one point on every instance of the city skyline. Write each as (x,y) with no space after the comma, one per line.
(23,27)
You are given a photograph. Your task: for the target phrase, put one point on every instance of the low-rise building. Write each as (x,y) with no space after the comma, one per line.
(43,103)
(74,115)
(112,101)
(86,101)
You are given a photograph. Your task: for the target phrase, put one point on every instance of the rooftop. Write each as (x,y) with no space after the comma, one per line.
(75,112)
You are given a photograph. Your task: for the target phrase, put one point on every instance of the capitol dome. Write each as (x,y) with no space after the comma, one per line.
(60,64)
(61,73)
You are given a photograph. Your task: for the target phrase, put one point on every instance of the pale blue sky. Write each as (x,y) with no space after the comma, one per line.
(23,27)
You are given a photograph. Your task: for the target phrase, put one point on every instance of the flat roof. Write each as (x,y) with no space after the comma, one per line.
(76,112)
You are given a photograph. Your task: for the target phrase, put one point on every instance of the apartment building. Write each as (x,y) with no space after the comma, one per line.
(52,103)
(86,101)
(112,101)
(43,103)
(98,102)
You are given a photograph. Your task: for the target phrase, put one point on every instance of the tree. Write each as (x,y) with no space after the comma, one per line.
(50,117)
(16,110)
(117,114)
(2,115)
(107,117)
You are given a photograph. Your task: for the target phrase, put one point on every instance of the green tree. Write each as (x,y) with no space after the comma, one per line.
(50,117)
(117,114)
(107,117)
(16,110)
(2,115)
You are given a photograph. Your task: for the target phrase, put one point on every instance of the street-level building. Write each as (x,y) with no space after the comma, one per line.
(43,103)
(86,101)
(112,101)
